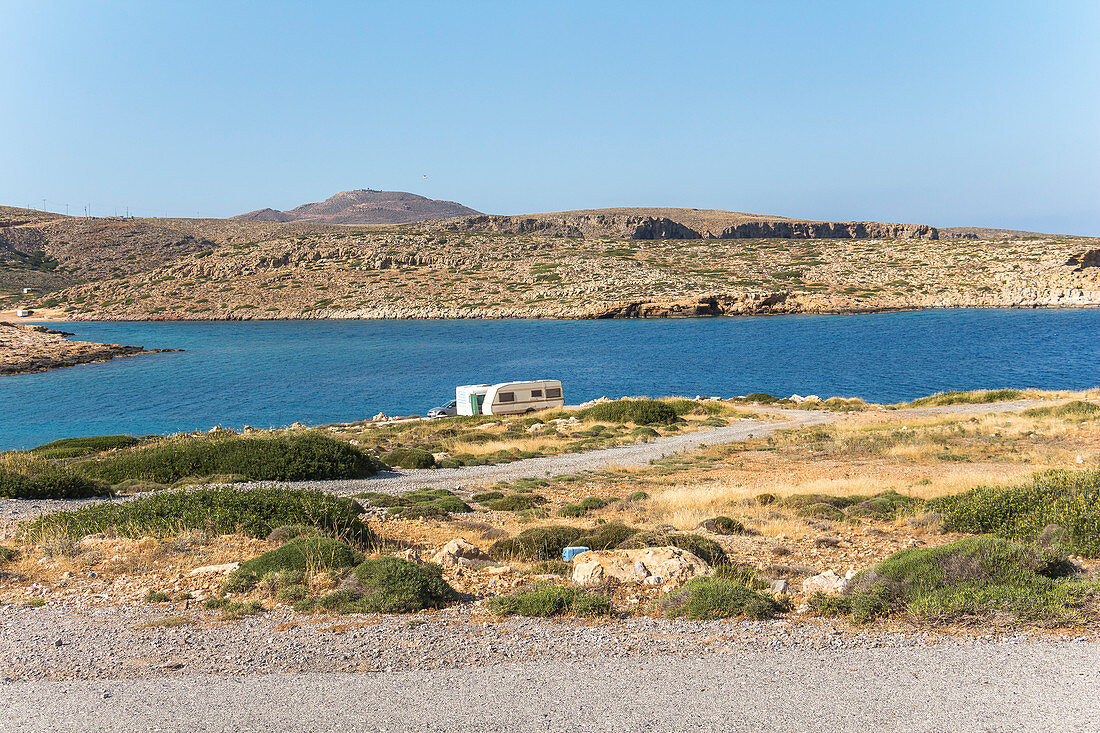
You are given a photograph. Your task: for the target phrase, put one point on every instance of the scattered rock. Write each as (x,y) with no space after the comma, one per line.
(826,541)
(458,553)
(214,569)
(828,583)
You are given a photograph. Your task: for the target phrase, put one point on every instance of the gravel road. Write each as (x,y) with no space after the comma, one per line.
(981,687)
(637,454)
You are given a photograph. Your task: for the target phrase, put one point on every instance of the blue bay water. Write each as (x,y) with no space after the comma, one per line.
(275,373)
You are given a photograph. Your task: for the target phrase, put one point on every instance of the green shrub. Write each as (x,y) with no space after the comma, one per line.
(548,599)
(288,457)
(639,412)
(390,585)
(409,458)
(1069,499)
(451,463)
(51,483)
(546,543)
(821,510)
(724,525)
(515,502)
(1077,409)
(972,397)
(7,554)
(376,499)
(801,501)
(978,576)
(426,504)
(765,499)
(487,496)
(702,547)
(304,553)
(78,447)
(639,496)
(572,511)
(705,598)
(156,596)
(215,510)
(644,432)
(593,502)
(714,422)
(886,505)
(762,397)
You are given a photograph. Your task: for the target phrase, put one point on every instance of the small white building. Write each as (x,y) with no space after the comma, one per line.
(22,313)
(31,290)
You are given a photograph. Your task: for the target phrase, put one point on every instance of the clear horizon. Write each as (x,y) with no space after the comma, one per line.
(983,114)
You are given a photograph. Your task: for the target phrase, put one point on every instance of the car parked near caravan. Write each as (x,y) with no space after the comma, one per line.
(509,398)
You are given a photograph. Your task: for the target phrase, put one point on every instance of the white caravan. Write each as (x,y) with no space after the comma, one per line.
(508,398)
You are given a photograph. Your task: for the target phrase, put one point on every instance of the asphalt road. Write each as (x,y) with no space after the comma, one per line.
(986,686)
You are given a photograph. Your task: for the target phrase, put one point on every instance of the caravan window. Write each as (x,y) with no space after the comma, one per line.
(536,393)
(506,396)
(553,392)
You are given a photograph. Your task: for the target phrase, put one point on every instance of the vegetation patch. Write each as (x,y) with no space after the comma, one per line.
(514,502)
(638,412)
(1075,410)
(546,543)
(310,554)
(79,447)
(702,547)
(972,397)
(46,481)
(704,598)
(409,458)
(1068,499)
(975,577)
(386,585)
(724,525)
(419,503)
(215,511)
(548,599)
(287,457)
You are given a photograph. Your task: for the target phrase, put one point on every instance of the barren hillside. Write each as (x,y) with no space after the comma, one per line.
(604,263)
(365,207)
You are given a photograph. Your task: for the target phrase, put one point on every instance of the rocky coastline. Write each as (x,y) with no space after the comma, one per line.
(27,348)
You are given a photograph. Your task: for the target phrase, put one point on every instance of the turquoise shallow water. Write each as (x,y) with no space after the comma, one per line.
(276,373)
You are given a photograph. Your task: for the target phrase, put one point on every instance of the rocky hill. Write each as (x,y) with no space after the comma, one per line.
(589,264)
(366,207)
(672,223)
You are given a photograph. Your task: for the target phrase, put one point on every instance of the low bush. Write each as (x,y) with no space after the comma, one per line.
(389,585)
(215,511)
(638,412)
(762,397)
(514,502)
(705,598)
(765,499)
(724,525)
(639,496)
(7,554)
(1068,499)
(428,504)
(702,547)
(548,599)
(288,457)
(552,567)
(487,496)
(886,505)
(572,511)
(972,397)
(311,554)
(79,447)
(50,482)
(975,577)
(409,458)
(1075,410)
(644,432)
(156,596)
(593,502)
(821,510)
(546,543)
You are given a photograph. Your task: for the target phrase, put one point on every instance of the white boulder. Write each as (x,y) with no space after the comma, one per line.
(638,566)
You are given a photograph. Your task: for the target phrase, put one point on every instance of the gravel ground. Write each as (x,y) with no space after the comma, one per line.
(82,640)
(982,686)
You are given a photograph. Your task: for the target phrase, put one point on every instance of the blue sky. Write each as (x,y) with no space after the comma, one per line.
(974,113)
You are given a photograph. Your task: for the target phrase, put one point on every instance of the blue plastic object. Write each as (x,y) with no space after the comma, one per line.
(571,552)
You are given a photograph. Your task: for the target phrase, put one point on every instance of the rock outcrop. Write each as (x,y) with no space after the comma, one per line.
(649,565)
(25,349)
